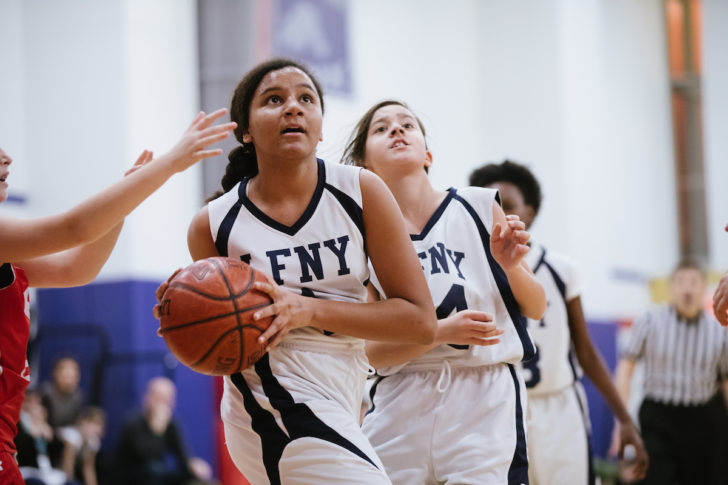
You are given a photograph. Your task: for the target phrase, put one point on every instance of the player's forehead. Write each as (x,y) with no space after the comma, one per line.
(284,78)
(392,112)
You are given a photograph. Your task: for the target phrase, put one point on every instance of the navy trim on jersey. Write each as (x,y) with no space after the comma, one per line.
(557,279)
(434,217)
(298,418)
(562,290)
(373,391)
(7,275)
(589,450)
(223,233)
(518,471)
(540,261)
(307,214)
(351,208)
(273,440)
(502,281)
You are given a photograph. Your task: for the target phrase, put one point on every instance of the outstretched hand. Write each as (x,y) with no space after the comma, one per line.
(468,327)
(192,147)
(508,242)
(288,310)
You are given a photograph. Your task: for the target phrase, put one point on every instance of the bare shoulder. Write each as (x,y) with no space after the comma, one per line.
(199,236)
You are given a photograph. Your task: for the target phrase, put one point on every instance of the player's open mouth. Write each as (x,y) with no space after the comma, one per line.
(293,129)
(398,143)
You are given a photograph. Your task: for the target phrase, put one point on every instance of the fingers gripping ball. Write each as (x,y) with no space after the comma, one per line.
(206,316)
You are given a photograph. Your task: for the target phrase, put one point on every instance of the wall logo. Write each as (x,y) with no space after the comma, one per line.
(316,33)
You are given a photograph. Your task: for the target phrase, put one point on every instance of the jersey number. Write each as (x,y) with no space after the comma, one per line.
(533,368)
(453,301)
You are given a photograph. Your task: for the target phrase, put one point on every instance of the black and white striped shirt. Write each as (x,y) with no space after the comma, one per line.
(683,359)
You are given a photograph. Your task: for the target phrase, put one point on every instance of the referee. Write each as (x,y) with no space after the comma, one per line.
(685,354)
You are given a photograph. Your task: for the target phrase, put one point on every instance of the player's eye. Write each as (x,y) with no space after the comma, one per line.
(307,98)
(274,99)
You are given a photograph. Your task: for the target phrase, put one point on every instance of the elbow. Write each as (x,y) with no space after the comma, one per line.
(536,306)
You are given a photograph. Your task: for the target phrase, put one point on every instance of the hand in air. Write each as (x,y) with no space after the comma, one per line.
(288,309)
(508,242)
(468,327)
(192,147)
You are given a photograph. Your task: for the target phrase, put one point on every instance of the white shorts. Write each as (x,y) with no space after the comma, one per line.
(463,425)
(293,418)
(559,438)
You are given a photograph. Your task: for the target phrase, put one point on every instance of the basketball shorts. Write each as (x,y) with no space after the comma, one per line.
(559,438)
(9,472)
(293,418)
(451,425)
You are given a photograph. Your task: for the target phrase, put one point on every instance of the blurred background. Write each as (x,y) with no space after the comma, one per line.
(616,105)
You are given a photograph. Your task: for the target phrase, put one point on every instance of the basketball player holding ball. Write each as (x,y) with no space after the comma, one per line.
(292,417)
(452,411)
(69,249)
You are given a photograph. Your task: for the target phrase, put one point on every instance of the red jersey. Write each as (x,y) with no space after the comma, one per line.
(14,334)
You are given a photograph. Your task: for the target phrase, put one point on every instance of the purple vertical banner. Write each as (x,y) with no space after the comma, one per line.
(315,32)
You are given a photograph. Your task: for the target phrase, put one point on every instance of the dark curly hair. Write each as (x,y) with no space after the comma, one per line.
(513,173)
(243,159)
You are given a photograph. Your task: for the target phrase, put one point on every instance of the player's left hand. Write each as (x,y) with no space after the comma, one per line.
(288,310)
(628,435)
(720,301)
(508,242)
(157,310)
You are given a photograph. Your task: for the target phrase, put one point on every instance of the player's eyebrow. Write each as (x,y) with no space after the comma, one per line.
(279,88)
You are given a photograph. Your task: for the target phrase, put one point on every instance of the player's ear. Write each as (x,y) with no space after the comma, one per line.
(247,138)
(428,159)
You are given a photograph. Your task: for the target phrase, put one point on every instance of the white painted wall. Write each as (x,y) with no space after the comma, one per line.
(715,125)
(576,89)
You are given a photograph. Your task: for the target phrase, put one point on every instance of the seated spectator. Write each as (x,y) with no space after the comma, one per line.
(62,397)
(34,435)
(151,450)
(82,445)
(63,400)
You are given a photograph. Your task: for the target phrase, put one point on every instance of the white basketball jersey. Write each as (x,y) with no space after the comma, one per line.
(554,366)
(454,250)
(321,255)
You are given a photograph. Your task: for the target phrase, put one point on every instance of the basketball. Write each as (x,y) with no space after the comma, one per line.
(206,316)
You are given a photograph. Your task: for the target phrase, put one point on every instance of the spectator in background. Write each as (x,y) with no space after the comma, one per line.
(684,350)
(82,445)
(34,435)
(151,450)
(63,399)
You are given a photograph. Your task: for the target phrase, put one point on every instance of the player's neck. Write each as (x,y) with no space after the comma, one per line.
(417,200)
(284,179)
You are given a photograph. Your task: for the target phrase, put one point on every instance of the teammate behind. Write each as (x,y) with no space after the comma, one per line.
(69,249)
(558,442)
(294,416)
(451,411)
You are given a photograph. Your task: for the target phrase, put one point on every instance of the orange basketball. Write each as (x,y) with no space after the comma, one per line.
(207,316)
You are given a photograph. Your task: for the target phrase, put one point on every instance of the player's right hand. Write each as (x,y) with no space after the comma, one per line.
(467,327)
(720,301)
